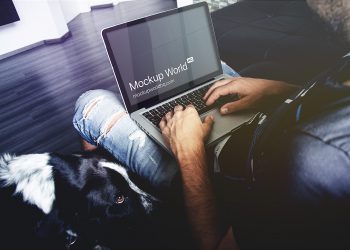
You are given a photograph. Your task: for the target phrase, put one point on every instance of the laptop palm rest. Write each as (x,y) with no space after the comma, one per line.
(224,124)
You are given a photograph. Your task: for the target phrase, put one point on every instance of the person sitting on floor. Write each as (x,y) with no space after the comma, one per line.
(288,186)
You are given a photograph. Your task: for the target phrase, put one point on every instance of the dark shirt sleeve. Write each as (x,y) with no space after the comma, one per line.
(315,194)
(302,198)
(318,171)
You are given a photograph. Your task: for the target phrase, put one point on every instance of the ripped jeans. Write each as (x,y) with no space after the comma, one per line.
(101,120)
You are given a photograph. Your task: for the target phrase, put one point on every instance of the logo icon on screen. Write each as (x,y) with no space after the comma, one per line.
(190,59)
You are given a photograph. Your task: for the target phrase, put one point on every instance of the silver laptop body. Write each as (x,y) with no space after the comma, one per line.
(162,57)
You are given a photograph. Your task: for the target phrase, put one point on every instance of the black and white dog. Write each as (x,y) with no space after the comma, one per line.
(53,201)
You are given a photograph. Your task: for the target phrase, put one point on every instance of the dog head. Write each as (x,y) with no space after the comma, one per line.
(77,194)
(98,187)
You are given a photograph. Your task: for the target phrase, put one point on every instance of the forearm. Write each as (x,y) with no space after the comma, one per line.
(199,199)
(280,88)
(276,93)
(185,133)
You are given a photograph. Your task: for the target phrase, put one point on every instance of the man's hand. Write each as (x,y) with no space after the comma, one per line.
(184,131)
(252,93)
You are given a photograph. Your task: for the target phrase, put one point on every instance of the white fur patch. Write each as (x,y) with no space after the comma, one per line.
(146,199)
(32,177)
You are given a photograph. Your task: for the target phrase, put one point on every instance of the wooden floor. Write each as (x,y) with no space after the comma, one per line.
(38,88)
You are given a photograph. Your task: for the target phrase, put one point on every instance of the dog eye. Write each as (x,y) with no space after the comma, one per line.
(120,199)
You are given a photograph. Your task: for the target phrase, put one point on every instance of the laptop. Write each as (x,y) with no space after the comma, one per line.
(168,59)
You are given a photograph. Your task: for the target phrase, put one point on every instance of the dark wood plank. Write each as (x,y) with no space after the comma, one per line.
(38,88)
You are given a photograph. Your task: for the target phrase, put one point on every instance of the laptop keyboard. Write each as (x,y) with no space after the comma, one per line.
(194,98)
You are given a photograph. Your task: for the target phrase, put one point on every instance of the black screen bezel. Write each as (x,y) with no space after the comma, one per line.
(159,98)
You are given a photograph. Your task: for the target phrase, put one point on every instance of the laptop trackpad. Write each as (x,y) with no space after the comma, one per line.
(224,124)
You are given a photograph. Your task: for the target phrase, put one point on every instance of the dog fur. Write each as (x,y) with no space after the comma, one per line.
(49,201)
(32,176)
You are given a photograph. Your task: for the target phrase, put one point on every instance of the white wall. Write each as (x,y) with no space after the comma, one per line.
(181,3)
(40,20)
(57,15)
(97,2)
(43,20)
(70,9)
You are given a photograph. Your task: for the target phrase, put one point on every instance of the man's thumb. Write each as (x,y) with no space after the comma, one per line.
(234,106)
(208,123)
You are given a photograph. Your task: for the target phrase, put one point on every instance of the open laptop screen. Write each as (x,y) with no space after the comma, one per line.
(160,56)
